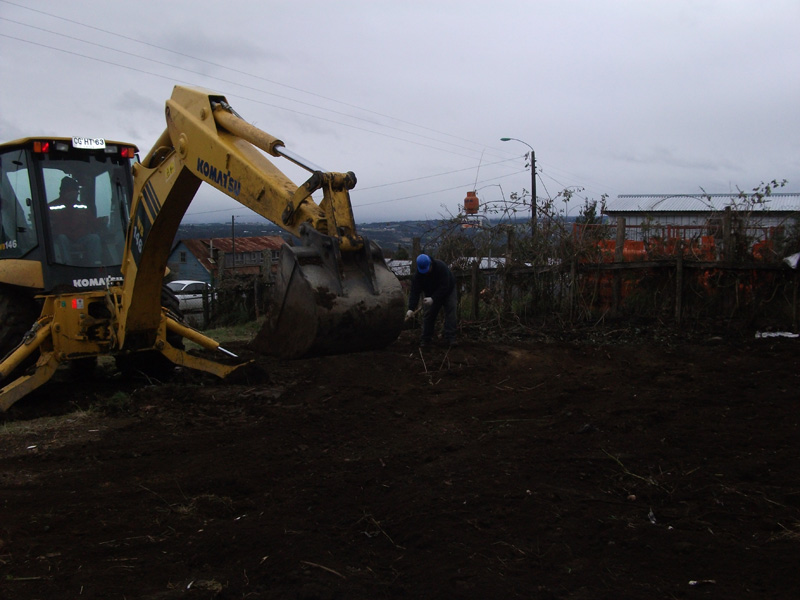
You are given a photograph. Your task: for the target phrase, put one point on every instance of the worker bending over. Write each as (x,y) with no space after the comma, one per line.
(436,283)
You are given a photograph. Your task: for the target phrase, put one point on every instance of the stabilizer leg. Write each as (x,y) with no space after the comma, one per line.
(45,368)
(184,359)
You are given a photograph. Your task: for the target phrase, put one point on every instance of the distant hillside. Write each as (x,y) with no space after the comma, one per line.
(388,235)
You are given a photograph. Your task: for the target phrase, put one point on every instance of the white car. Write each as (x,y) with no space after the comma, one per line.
(190,294)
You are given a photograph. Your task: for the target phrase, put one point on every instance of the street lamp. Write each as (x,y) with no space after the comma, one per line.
(533,180)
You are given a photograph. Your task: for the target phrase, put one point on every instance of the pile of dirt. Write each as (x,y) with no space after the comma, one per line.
(489,470)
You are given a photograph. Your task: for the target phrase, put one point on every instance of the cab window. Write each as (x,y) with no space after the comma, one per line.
(87,206)
(17,232)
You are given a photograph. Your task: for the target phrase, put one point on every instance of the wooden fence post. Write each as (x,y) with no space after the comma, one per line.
(573,287)
(619,255)
(679,283)
(476,296)
(206,307)
(727,237)
(508,289)
(255,295)
(795,311)
(729,294)
(221,266)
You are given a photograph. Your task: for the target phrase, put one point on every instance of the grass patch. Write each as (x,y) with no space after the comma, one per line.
(118,402)
(239,332)
(43,424)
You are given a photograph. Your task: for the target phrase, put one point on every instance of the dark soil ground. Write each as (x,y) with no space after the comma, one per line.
(544,469)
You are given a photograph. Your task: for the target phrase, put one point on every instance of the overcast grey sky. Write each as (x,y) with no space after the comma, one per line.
(616,97)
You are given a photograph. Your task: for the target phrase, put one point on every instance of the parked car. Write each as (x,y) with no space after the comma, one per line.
(190,294)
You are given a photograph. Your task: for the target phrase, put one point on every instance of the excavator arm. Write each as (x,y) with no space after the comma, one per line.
(333,293)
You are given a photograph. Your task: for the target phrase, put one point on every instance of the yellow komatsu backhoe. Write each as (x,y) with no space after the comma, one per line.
(87,230)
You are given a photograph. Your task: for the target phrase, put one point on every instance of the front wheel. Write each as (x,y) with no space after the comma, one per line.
(18,312)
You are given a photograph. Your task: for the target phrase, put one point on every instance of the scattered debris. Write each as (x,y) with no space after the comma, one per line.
(772,334)
(695,582)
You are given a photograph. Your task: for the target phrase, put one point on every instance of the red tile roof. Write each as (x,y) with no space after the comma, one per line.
(202,249)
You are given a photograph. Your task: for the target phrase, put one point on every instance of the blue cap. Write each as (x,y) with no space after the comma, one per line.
(423,263)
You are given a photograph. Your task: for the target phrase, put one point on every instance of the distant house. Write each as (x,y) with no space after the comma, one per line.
(205,259)
(702,212)
(485,263)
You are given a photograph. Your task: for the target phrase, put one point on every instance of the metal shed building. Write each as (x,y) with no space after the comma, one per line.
(652,213)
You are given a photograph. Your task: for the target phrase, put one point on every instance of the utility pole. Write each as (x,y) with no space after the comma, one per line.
(533,181)
(533,192)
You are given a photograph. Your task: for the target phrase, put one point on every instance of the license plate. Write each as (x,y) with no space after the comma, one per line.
(83,143)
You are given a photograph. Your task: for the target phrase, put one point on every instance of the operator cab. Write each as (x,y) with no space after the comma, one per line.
(65,204)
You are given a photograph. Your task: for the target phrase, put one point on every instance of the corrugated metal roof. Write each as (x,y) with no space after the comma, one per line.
(402,268)
(398,266)
(776,202)
(255,243)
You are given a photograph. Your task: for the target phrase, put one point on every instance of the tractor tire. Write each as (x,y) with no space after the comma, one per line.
(18,312)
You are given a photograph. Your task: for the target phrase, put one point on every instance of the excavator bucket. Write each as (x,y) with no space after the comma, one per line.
(329,301)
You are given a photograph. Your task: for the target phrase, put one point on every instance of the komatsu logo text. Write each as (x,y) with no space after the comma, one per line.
(221,178)
(93,282)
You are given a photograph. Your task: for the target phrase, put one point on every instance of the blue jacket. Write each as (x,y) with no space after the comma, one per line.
(437,283)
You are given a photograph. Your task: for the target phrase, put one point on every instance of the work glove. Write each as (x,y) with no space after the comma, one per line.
(409,314)
(427,301)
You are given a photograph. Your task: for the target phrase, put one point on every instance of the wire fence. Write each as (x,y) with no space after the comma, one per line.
(676,275)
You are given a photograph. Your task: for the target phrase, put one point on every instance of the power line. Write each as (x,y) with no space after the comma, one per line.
(358,190)
(227,81)
(259,91)
(372,187)
(234,70)
(314,116)
(431,193)
(255,101)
